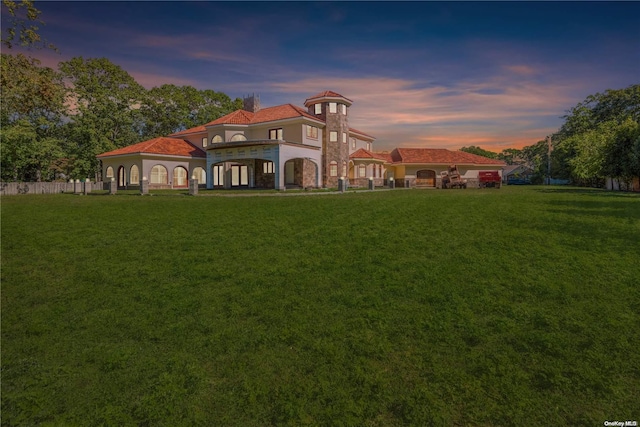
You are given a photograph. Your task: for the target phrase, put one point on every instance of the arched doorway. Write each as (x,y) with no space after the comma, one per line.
(122,177)
(426,178)
(303,172)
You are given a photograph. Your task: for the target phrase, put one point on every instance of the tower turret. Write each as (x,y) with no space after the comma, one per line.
(332,108)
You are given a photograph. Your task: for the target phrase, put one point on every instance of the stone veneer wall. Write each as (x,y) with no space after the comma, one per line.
(335,151)
(304,173)
(308,174)
(332,151)
(263,180)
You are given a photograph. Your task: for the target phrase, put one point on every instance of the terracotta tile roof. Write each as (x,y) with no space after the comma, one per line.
(386,156)
(366,154)
(361,154)
(279,112)
(326,94)
(353,130)
(161,145)
(440,156)
(197,129)
(329,93)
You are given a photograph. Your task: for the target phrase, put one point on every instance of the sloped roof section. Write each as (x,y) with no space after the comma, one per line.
(440,156)
(359,132)
(197,129)
(238,117)
(326,94)
(361,153)
(270,114)
(161,145)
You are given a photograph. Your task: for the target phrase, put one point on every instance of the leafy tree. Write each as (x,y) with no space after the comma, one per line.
(610,150)
(214,105)
(23,25)
(27,154)
(536,158)
(169,108)
(511,156)
(31,117)
(479,151)
(29,91)
(598,136)
(105,112)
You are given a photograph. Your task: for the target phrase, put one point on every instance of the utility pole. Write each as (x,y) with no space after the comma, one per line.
(549,160)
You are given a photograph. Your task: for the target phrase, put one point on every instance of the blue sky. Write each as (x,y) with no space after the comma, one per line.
(421,74)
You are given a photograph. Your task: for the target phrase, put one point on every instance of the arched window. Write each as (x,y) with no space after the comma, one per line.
(362,171)
(109,173)
(134,175)
(238,137)
(333,169)
(159,175)
(180,177)
(200,175)
(216,139)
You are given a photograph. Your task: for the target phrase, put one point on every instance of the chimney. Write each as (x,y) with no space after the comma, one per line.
(251,103)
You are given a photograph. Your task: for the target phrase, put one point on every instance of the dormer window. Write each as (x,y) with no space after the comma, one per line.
(318,108)
(333,107)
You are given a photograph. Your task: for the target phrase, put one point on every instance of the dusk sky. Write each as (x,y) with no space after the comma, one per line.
(420,74)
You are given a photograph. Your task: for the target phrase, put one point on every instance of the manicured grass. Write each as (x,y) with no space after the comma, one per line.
(518,306)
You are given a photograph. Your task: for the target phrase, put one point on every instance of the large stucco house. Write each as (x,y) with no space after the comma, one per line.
(281,147)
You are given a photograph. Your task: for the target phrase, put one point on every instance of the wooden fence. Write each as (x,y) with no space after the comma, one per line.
(14,188)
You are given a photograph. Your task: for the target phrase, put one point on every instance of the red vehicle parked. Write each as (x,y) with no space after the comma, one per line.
(489,179)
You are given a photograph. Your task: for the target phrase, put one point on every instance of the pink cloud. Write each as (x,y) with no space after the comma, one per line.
(495,112)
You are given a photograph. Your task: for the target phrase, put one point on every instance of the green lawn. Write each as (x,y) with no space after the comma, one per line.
(518,306)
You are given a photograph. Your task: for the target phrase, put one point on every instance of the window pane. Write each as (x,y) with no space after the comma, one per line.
(344,109)
(333,169)
(134,175)
(159,175)
(333,136)
(318,108)
(235,175)
(204,141)
(244,175)
(333,107)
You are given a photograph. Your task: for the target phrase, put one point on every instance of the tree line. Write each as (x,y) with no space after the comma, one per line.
(55,122)
(600,138)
